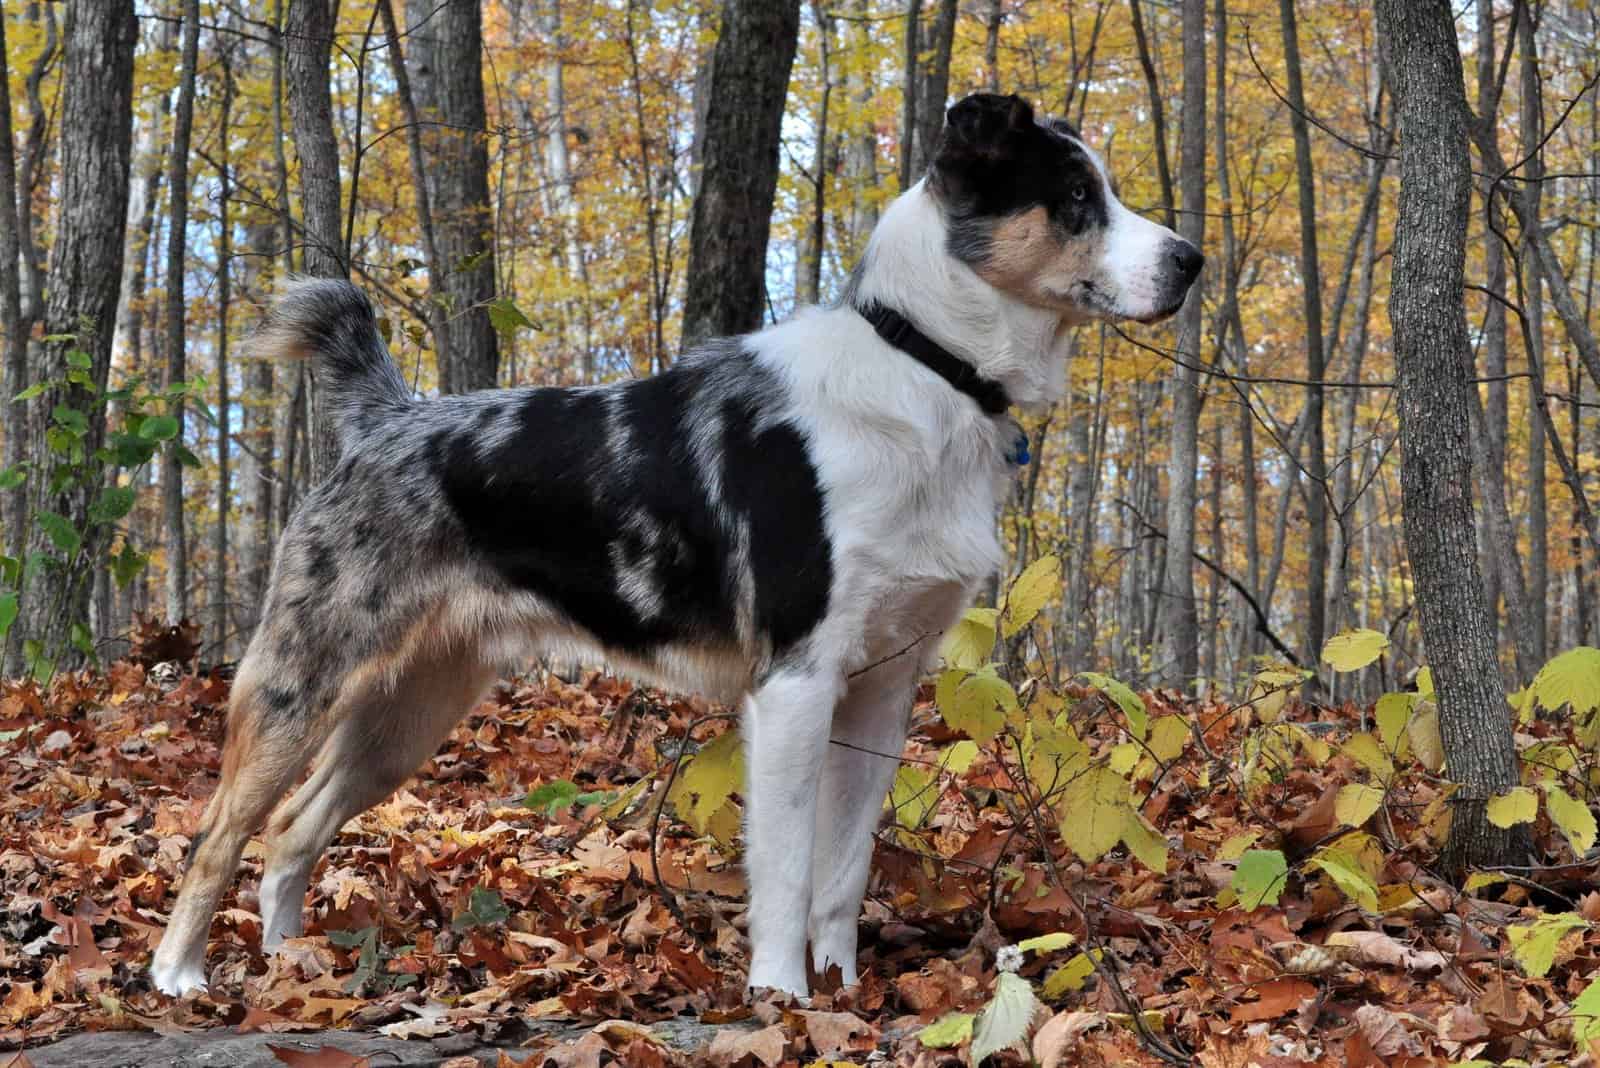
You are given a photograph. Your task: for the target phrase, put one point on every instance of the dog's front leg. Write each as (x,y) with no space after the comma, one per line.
(786,723)
(869,731)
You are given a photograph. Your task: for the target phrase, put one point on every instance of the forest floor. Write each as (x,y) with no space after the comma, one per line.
(457,924)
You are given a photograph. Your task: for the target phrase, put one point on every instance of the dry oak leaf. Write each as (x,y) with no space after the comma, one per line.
(1386,1032)
(1375,947)
(1278,997)
(745,1049)
(837,1032)
(322,1057)
(1054,1043)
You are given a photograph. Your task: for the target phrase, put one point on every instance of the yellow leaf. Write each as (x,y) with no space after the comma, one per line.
(1534,945)
(1271,689)
(725,822)
(1070,976)
(957,758)
(913,795)
(1571,816)
(1031,591)
(1573,678)
(1425,682)
(975,702)
(1423,730)
(1131,704)
(1168,737)
(1047,943)
(1053,755)
(971,641)
(1234,846)
(1356,803)
(1095,812)
(1519,805)
(1354,649)
(707,780)
(1348,875)
(1146,845)
(1366,750)
(1123,757)
(1393,712)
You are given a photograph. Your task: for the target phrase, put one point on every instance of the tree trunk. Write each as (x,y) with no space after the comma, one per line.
(13,347)
(1532,121)
(725,288)
(993,18)
(1428,318)
(81,295)
(446,64)
(1158,112)
(218,593)
(1180,624)
(1316,462)
(563,187)
(257,473)
(861,147)
(908,101)
(814,237)
(177,548)
(938,42)
(308,46)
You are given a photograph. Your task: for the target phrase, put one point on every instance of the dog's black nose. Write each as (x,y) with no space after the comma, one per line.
(1188,260)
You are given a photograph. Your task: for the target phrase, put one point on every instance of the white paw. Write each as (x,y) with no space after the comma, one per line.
(787,981)
(177,979)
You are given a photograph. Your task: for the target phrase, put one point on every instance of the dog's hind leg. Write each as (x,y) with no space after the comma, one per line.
(786,730)
(271,737)
(385,730)
(869,731)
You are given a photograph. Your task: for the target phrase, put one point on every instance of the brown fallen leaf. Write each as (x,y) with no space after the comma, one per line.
(1054,1043)
(1385,1032)
(322,1057)
(746,1049)
(1279,997)
(1375,947)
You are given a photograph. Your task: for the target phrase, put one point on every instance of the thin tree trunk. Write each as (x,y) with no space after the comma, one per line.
(308,44)
(447,61)
(725,285)
(993,19)
(563,187)
(218,594)
(908,105)
(1311,280)
(1180,624)
(1496,410)
(13,347)
(1158,112)
(81,297)
(813,239)
(861,151)
(177,549)
(1532,122)
(1428,317)
(257,473)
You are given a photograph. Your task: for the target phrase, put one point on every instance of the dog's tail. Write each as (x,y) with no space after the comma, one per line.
(332,322)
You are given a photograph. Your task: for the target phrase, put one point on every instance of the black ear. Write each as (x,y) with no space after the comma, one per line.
(984,126)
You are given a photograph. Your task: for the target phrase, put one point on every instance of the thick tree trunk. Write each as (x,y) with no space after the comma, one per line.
(725,287)
(1316,463)
(446,64)
(85,273)
(1428,317)
(1180,660)
(177,548)
(308,46)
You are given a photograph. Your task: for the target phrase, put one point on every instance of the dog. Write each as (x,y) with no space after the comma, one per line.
(788,520)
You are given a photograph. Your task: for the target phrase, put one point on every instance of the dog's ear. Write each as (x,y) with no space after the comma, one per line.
(984,127)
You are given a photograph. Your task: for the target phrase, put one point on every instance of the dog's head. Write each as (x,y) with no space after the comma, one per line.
(1031,210)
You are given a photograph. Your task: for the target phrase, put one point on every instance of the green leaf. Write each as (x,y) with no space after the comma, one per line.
(975,702)
(968,644)
(484,909)
(552,797)
(1144,842)
(506,317)
(185,457)
(60,530)
(1533,945)
(958,757)
(126,565)
(35,390)
(1259,878)
(913,795)
(79,359)
(70,419)
(1571,816)
(1048,943)
(1393,712)
(1125,698)
(951,1029)
(113,503)
(12,477)
(159,428)
(1356,802)
(1573,678)
(1005,1021)
(1031,591)
(1348,875)
(1519,805)
(8,612)
(1094,812)
(1585,1013)
(1354,649)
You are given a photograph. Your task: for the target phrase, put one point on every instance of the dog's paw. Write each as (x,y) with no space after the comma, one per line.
(176,980)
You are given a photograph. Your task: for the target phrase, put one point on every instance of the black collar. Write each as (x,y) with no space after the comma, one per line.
(897,330)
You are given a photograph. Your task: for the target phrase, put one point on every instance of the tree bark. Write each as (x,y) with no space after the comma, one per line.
(1180,623)
(1428,318)
(1316,463)
(725,287)
(308,48)
(814,237)
(177,549)
(446,63)
(218,593)
(935,84)
(84,277)
(1158,111)
(1532,122)
(13,347)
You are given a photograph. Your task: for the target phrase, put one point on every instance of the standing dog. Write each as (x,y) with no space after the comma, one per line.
(771,521)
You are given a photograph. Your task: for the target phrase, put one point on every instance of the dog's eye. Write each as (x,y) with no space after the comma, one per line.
(1080,192)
